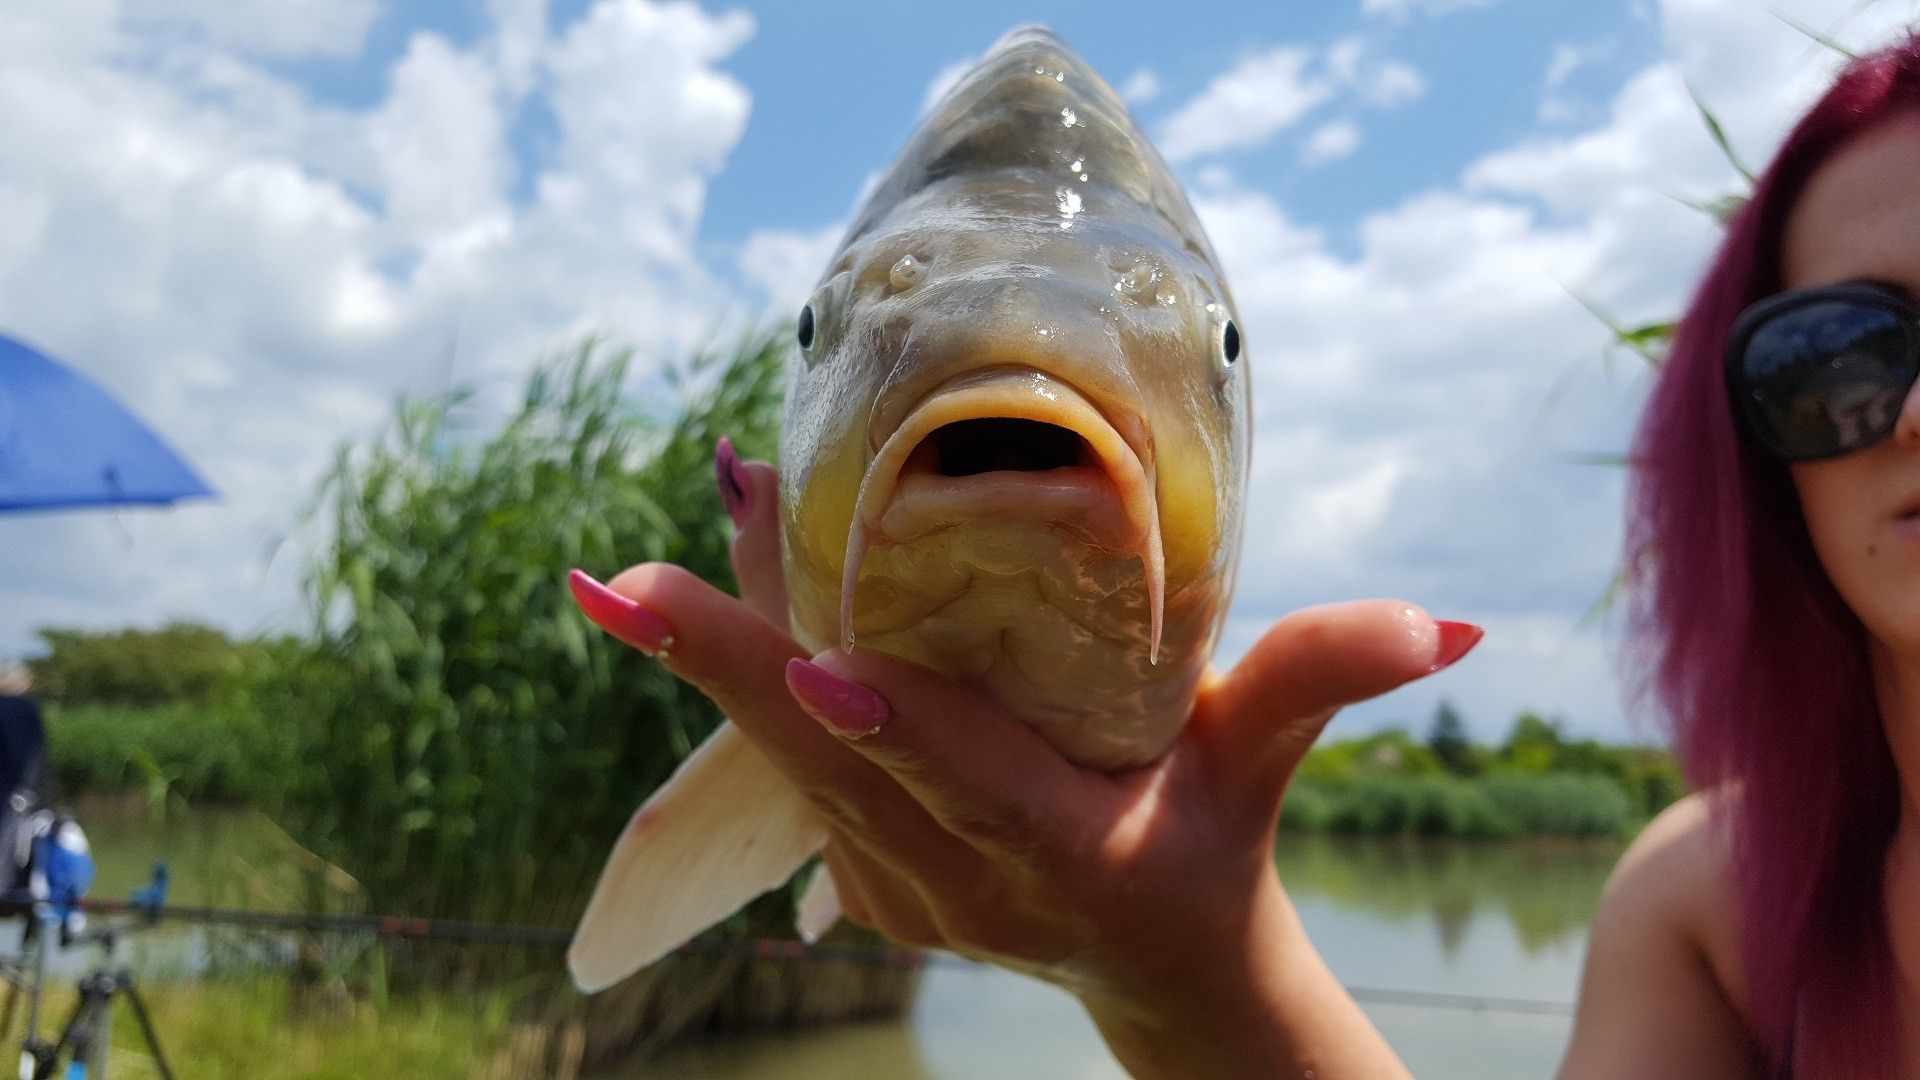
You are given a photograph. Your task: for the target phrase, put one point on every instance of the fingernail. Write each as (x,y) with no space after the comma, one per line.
(731,476)
(619,616)
(1457,639)
(852,711)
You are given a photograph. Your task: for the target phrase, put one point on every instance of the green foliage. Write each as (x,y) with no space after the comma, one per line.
(194,752)
(1537,783)
(1437,806)
(178,663)
(1392,752)
(468,743)
(1532,745)
(1559,804)
(1450,744)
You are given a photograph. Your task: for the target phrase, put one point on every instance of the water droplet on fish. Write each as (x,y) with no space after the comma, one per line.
(906,273)
(1137,280)
(1069,206)
(1068,117)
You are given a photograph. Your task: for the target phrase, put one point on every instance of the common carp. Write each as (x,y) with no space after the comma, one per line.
(1015,451)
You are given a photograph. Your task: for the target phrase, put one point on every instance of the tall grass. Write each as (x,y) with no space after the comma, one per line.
(468,744)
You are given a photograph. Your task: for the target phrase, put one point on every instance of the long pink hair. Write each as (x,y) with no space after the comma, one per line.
(1757,664)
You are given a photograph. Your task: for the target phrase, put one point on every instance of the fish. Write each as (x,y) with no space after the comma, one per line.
(1014,450)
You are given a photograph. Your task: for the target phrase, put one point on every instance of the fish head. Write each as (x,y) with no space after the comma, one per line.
(1016,446)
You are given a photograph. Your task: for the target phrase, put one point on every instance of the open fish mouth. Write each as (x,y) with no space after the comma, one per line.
(1012,441)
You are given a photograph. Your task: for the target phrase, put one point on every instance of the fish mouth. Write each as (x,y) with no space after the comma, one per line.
(1012,441)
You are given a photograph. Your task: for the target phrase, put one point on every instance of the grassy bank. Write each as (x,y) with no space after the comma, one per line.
(255,1029)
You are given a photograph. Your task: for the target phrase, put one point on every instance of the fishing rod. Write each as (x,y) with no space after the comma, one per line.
(415,928)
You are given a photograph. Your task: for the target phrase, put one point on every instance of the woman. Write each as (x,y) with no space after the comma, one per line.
(1763,927)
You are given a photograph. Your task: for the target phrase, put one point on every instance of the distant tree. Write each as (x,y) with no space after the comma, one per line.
(179,663)
(1448,740)
(1534,744)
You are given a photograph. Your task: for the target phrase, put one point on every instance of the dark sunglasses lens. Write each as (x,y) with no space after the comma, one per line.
(1828,377)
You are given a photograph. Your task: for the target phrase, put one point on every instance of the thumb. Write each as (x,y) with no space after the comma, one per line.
(1257,721)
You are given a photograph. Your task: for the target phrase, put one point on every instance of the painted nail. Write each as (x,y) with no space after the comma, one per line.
(619,616)
(1457,639)
(850,710)
(735,488)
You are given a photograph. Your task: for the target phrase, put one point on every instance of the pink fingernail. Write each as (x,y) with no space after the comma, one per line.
(619,616)
(850,710)
(736,489)
(1457,639)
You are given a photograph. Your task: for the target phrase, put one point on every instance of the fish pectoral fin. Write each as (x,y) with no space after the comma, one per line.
(819,906)
(724,828)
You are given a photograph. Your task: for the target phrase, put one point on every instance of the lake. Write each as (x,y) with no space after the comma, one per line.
(1465,955)
(1458,921)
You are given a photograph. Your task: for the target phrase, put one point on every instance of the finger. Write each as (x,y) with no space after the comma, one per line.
(888,903)
(979,771)
(737,659)
(1258,720)
(751,492)
(853,897)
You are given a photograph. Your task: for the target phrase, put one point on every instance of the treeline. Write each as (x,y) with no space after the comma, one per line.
(153,711)
(1538,782)
(159,711)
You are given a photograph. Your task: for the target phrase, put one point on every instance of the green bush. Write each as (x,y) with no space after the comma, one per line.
(1438,806)
(196,752)
(1307,807)
(1559,804)
(177,663)
(468,744)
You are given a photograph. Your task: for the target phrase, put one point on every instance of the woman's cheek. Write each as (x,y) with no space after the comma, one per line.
(1842,521)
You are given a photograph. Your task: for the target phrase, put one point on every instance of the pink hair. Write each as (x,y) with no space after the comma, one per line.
(1754,659)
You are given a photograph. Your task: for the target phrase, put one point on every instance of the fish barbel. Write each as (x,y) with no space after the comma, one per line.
(1015,451)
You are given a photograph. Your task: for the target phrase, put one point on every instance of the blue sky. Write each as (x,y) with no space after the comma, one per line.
(259,223)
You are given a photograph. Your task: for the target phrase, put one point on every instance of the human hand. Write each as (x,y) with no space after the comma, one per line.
(1151,894)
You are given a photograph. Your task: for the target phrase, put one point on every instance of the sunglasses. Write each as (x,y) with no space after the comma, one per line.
(1817,373)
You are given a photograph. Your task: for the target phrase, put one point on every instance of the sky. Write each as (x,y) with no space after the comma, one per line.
(259,224)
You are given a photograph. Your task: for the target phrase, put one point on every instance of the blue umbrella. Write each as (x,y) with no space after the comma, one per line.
(64,442)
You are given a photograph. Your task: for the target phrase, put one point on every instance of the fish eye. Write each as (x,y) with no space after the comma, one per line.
(1229,344)
(805,332)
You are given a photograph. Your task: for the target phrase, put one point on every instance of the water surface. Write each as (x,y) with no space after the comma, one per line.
(1506,922)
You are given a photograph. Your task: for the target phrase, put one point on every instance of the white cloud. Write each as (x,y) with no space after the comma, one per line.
(1556,105)
(944,80)
(1330,142)
(1380,83)
(1420,398)
(1259,97)
(1403,10)
(256,273)
(1271,92)
(440,150)
(284,28)
(1140,87)
(785,263)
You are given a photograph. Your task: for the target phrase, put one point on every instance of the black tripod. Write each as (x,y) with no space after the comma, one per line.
(88,1033)
(87,1036)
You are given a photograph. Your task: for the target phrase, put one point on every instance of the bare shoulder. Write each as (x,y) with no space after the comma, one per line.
(1661,993)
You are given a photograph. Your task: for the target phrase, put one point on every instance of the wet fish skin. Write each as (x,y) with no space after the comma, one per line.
(1043,234)
(1027,260)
